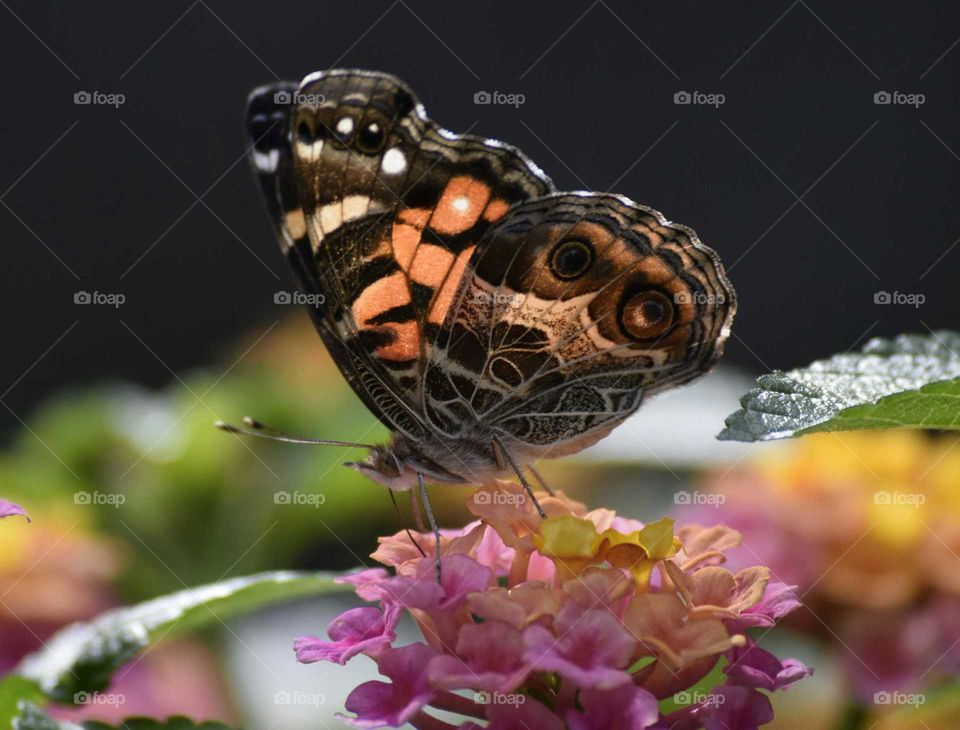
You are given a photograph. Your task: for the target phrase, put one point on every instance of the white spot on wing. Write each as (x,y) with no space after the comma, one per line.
(334,215)
(394,161)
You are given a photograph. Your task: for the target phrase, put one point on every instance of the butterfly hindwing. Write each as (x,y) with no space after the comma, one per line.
(574,307)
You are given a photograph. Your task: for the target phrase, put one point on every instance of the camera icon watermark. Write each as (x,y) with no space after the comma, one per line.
(499,98)
(703,699)
(898,98)
(299,499)
(496,298)
(499,698)
(699,98)
(914,300)
(698,498)
(114,300)
(298,297)
(294,97)
(99,499)
(913,699)
(98,699)
(309,699)
(899,499)
(99,98)
(699,298)
(504,498)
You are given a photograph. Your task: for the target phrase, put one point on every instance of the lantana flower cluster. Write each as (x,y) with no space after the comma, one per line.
(584,620)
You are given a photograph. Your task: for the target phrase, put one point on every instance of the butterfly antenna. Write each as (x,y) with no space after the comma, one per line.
(403,521)
(255,428)
(523,480)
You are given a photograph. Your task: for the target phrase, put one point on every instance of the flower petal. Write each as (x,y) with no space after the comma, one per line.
(9,509)
(382,704)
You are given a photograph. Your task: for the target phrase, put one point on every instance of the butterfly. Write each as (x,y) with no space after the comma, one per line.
(486,318)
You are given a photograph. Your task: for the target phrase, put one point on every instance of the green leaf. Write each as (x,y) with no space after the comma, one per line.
(911,381)
(83,656)
(13,691)
(32,717)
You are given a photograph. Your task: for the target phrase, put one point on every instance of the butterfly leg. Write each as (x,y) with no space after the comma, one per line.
(417,511)
(498,444)
(433,522)
(543,482)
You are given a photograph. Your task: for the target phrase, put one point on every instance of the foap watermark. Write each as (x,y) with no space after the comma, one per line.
(898,297)
(899,698)
(295,97)
(699,698)
(898,98)
(499,698)
(499,98)
(899,499)
(99,499)
(299,499)
(497,298)
(698,498)
(699,98)
(110,299)
(298,297)
(699,297)
(99,98)
(309,699)
(98,698)
(498,497)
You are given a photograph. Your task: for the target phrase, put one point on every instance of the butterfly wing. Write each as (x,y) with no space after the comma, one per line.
(574,307)
(379,210)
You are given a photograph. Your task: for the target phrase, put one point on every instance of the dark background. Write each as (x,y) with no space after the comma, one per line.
(89,206)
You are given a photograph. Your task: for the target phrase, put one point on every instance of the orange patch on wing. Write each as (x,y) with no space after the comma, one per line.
(404,240)
(415,216)
(431,264)
(495,209)
(461,204)
(444,297)
(381,296)
(405,344)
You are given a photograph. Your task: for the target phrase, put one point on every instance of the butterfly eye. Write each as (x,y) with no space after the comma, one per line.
(647,315)
(570,259)
(371,139)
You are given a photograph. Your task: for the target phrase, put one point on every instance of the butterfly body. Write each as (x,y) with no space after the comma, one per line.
(483,316)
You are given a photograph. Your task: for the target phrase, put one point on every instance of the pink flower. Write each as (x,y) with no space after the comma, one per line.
(753,667)
(778,600)
(626,707)
(489,657)
(8,509)
(359,630)
(582,621)
(526,716)
(589,647)
(382,704)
